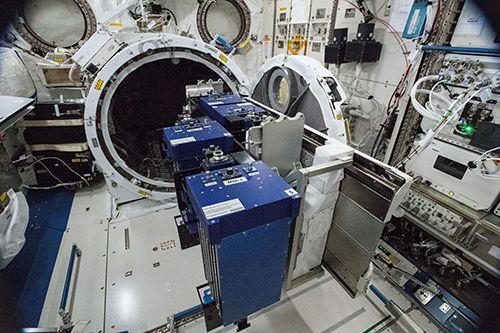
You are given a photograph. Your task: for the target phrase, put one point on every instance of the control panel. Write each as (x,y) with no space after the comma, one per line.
(478,124)
(318,29)
(281,30)
(439,305)
(434,214)
(466,70)
(462,161)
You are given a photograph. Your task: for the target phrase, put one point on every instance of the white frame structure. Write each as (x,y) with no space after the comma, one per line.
(124,183)
(317,77)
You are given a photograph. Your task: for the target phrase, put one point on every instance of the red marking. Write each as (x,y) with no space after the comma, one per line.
(167,245)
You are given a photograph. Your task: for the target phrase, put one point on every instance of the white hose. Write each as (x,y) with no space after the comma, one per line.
(419,107)
(435,95)
(72,75)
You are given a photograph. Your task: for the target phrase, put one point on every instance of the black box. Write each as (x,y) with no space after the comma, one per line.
(363,48)
(363,51)
(487,136)
(335,52)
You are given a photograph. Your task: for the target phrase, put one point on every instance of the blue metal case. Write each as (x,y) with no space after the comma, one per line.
(231,111)
(185,143)
(236,116)
(213,100)
(246,197)
(245,218)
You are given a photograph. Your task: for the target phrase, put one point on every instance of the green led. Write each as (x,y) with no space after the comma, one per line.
(469,129)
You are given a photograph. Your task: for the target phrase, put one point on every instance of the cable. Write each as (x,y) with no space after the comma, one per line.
(40,161)
(457,110)
(480,161)
(382,6)
(432,289)
(490,151)
(50,173)
(51,187)
(451,112)
(171,14)
(391,109)
(402,85)
(480,174)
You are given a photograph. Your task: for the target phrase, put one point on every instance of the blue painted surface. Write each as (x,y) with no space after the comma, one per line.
(263,193)
(245,236)
(28,275)
(252,269)
(231,115)
(209,101)
(415,23)
(67,280)
(188,312)
(379,294)
(459,49)
(457,307)
(185,143)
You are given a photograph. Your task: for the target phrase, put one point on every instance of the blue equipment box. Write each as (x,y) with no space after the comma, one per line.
(185,143)
(245,215)
(213,100)
(236,116)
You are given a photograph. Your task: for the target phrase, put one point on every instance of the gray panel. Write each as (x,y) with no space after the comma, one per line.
(353,255)
(348,279)
(365,197)
(358,223)
(355,232)
(12,109)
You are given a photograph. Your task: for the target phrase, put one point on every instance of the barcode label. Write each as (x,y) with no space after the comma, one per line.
(223,208)
(183,140)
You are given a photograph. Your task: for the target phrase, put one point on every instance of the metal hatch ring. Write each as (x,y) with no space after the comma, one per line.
(41,46)
(245,18)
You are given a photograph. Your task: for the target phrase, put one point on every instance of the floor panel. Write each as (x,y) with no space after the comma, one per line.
(320,306)
(149,276)
(87,227)
(133,275)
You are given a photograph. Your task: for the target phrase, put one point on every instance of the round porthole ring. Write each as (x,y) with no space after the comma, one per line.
(41,46)
(245,18)
(275,77)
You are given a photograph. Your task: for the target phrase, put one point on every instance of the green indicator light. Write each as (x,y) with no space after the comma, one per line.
(469,129)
